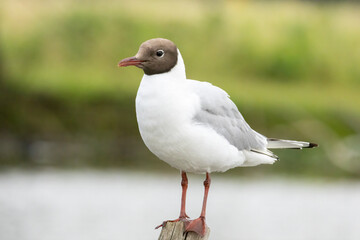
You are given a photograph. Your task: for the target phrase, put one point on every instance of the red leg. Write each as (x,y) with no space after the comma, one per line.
(184,186)
(183,216)
(198,225)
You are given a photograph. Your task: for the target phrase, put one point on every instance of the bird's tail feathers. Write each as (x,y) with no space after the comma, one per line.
(273,143)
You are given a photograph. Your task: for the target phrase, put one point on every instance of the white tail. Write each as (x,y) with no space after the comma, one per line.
(274,143)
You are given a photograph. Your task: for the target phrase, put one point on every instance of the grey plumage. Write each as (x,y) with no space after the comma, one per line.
(221,114)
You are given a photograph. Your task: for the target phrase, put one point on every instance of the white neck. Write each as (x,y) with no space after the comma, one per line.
(177,72)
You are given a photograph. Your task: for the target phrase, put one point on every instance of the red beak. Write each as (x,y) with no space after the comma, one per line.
(130,61)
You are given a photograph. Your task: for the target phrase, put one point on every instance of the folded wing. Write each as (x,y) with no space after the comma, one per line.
(218,112)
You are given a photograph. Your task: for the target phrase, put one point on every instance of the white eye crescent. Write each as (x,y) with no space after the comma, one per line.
(160,53)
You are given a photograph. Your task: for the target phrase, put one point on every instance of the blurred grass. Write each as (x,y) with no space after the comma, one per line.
(291,67)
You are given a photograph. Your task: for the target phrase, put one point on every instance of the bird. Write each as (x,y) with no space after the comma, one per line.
(192,125)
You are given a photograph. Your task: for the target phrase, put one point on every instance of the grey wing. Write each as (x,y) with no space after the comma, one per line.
(221,114)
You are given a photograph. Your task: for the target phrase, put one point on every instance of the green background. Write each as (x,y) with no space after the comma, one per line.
(292,68)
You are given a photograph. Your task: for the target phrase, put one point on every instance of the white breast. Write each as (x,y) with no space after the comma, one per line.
(165,109)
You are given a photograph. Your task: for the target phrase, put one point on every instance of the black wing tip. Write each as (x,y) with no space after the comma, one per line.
(312,145)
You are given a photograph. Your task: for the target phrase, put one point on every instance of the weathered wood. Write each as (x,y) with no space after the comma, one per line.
(175,231)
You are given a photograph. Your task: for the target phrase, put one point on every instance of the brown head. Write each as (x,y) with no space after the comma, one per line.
(155,56)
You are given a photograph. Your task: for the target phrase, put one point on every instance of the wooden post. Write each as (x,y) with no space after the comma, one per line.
(175,231)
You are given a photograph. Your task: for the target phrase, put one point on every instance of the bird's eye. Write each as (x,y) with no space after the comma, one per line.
(160,53)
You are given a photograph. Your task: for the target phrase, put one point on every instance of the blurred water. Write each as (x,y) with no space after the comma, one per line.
(96,205)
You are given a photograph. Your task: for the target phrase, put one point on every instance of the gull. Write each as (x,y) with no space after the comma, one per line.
(192,125)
